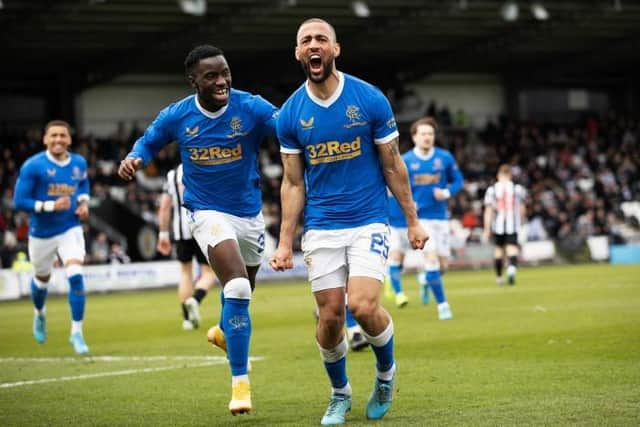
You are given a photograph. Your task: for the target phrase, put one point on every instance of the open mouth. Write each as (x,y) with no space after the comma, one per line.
(315,63)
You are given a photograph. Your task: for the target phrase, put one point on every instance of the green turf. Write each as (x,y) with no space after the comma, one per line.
(562,347)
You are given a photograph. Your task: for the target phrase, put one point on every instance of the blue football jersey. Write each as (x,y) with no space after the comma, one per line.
(426,173)
(396,216)
(42,178)
(345,186)
(219,151)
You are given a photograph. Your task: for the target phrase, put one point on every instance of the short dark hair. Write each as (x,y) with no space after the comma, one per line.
(199,53)
(57,123)
(424,121)
(311,20)
(504,169)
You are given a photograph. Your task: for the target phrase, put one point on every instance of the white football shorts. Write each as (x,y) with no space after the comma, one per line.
(210,227)
(398,240)
(68,245)
(332,256)
(439,236)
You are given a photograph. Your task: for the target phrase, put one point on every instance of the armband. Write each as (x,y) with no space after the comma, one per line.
(163,235)
(49,206)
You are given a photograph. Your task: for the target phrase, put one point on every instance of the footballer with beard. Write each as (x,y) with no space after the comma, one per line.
(339,146)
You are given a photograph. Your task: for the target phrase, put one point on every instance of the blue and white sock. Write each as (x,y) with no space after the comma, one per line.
(434,279)
(237,323)
(77,294)
(39,293)
(382,346)
(335,363)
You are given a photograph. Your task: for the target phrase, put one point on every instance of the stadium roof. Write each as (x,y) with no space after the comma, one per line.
(47,44)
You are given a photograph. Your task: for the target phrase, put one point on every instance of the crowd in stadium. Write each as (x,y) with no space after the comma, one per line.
(578,175)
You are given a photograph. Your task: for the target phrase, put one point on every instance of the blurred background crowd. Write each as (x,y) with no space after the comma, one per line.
(583,178)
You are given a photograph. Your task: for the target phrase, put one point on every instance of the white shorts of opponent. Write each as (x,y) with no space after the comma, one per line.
(212,227)
(332,256)
(43,250)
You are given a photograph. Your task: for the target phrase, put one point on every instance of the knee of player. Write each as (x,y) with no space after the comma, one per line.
(331,321)
(362,307)
(71,270)
(332,315)
(396,258)
(432,264)
(239,288)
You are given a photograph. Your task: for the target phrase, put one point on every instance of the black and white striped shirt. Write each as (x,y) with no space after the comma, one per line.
(506,199)
(175,188)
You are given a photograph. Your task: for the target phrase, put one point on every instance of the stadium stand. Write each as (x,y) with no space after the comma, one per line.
(579,176)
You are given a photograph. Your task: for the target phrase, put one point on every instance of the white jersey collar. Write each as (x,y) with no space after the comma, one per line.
(327,102)
(61,163)
(209,113)
(427,156)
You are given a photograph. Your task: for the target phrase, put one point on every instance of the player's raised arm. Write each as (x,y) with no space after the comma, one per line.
(292,195)
(397,178)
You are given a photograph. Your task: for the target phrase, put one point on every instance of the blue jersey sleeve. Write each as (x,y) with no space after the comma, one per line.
(267,113)
(286,133)
(384,125)
(83,186)
(157,135)
(454,177)
(23,196)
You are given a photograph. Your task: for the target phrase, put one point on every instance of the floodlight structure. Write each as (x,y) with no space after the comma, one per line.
(193,7)
(539,12)
(510,11)
(360,9)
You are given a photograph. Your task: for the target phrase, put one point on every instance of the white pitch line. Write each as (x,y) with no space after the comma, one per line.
(103,374)
(113,359)
(215,360)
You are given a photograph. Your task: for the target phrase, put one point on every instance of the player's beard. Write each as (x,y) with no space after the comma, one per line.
(326,71)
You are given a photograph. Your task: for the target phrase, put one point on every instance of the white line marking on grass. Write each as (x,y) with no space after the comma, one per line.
(104,374)
(540,309)
(117,359)
(208,361)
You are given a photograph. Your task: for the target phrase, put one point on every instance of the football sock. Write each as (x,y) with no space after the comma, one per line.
(77,296)
(395,272)
(38,293)
(237,323)
(76,326)
(382,346)
(434,279)
(221,324)
(185,312)
(498,266)
(199,294)
(335,363)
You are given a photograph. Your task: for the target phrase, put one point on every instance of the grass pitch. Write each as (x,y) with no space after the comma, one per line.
(562,347)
